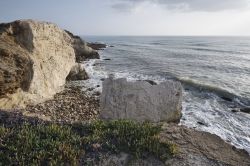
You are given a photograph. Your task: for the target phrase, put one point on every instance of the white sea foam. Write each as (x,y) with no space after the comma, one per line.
(217,119)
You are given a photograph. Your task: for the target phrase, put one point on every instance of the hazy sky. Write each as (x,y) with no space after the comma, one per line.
(136,17)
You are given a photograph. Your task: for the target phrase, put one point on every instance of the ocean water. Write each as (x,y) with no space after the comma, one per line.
(214,71)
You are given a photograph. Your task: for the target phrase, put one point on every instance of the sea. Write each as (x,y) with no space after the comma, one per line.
(214,72)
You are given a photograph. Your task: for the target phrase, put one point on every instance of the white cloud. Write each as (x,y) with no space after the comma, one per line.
(186,5)
(147,18)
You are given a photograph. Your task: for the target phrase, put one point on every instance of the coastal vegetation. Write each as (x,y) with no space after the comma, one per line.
(55,144)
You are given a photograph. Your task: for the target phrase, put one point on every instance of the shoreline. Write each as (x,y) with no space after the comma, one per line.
(78,104)
(203,110)
(194,146)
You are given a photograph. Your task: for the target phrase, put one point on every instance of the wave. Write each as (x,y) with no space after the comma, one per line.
(214,50)
(221,92)
(191,84)
(159,43)
(96,74)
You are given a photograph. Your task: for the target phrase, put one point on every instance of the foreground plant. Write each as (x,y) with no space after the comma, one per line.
(41,144)
(128,136)
(53,144)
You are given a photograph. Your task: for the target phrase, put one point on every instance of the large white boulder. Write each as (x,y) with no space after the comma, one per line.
(141,101)
(50,51)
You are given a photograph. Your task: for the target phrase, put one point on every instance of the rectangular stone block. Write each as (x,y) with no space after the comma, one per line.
(141,101)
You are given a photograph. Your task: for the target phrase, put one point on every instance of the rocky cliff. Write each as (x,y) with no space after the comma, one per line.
(35,59)
(82,50)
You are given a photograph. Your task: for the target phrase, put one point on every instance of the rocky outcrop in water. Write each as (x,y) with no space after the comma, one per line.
(141,101)
(97,46)
(82,51)
(35,59)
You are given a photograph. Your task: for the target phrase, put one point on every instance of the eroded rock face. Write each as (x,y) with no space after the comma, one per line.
(77,73)
(141,101)
(82,50)
(36,57)
(16,68)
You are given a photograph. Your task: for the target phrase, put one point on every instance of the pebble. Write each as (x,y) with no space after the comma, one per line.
(71,105)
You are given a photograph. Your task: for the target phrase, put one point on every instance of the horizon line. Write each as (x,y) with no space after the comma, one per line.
(166,35)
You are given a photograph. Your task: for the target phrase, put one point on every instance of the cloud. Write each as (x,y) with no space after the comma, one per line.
(186,5)
(123,7)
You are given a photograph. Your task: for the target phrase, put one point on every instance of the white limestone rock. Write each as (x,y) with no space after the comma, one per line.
(50,49)
(141,101)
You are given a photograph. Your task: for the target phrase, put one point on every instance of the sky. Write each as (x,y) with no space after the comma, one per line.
(136,17)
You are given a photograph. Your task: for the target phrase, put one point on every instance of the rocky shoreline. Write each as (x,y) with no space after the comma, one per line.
(74,106)
(36,96)
(69,106)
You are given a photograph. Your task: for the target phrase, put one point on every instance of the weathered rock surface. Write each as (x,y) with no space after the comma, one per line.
(141,101)
(202,148)
(16,68)
(36,57)
(77,73)
(124,159)
(97,46)
(82,50)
